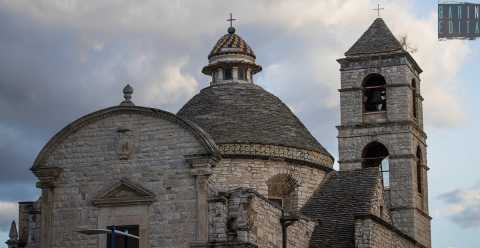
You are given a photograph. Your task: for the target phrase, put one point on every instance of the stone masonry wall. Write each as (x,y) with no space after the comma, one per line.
(232,173)
(370,233)
(244,216)
(90,162)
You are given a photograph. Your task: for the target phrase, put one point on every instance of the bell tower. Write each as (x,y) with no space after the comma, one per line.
(382,125)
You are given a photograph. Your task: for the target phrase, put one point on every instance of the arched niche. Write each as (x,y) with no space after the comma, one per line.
(282,191)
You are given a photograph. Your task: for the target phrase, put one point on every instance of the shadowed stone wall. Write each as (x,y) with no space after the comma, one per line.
(232,173)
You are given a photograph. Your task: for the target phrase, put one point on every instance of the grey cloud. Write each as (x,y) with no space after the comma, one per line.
(463,206)
(452,197)
(469,218)
(53,73)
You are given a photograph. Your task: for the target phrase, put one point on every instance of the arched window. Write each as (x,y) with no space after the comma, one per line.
(374,93)
(227,74)
(376,154)
(419,163)
(414,98)
(282,191)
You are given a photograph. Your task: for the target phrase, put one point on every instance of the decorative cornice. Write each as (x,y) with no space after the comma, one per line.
(398,85)
(387,85)
(47,176)
(201,135)
(201,164)
(410,123)
(350,89)
(276,151)
(386,59)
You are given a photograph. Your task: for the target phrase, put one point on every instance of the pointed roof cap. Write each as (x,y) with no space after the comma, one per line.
(13,234)
(377,39)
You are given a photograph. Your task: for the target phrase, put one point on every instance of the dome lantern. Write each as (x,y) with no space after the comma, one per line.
(231,59)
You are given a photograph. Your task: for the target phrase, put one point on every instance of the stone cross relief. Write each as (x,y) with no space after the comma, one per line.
(125,147)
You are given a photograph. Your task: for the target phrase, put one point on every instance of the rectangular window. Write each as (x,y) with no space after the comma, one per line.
(123,241)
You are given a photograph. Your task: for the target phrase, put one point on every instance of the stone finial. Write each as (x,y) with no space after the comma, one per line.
(127,94)
(13,234)
(12,241)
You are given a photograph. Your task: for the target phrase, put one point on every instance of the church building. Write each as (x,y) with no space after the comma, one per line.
(236,168)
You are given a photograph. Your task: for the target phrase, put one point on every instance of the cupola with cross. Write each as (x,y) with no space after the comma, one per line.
(231,59)
(382,125)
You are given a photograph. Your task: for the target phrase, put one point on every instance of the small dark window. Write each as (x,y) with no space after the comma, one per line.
(376,154)
(276,202)
(123,241)
(419,171)
(414,98)
(227,74)
(241,74)
(374,93)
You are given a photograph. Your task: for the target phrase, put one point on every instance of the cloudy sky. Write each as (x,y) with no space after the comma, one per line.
(61,59)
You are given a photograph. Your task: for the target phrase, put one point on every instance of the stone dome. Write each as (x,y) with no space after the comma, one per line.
(239,113)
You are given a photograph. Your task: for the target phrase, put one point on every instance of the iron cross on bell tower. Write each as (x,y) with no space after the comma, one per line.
(378,9)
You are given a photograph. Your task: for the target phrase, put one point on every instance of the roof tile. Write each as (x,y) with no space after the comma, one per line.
(377,39)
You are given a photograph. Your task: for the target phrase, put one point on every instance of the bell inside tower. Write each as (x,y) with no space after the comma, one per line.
(374,93)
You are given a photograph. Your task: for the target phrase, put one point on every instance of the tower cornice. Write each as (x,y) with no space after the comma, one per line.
(378,60)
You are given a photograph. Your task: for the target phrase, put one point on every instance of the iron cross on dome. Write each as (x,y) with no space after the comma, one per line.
(231,20)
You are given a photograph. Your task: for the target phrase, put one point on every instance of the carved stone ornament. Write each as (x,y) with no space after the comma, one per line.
(124,193)
(125,146)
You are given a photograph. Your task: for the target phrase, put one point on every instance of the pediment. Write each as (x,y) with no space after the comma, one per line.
(124,193)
